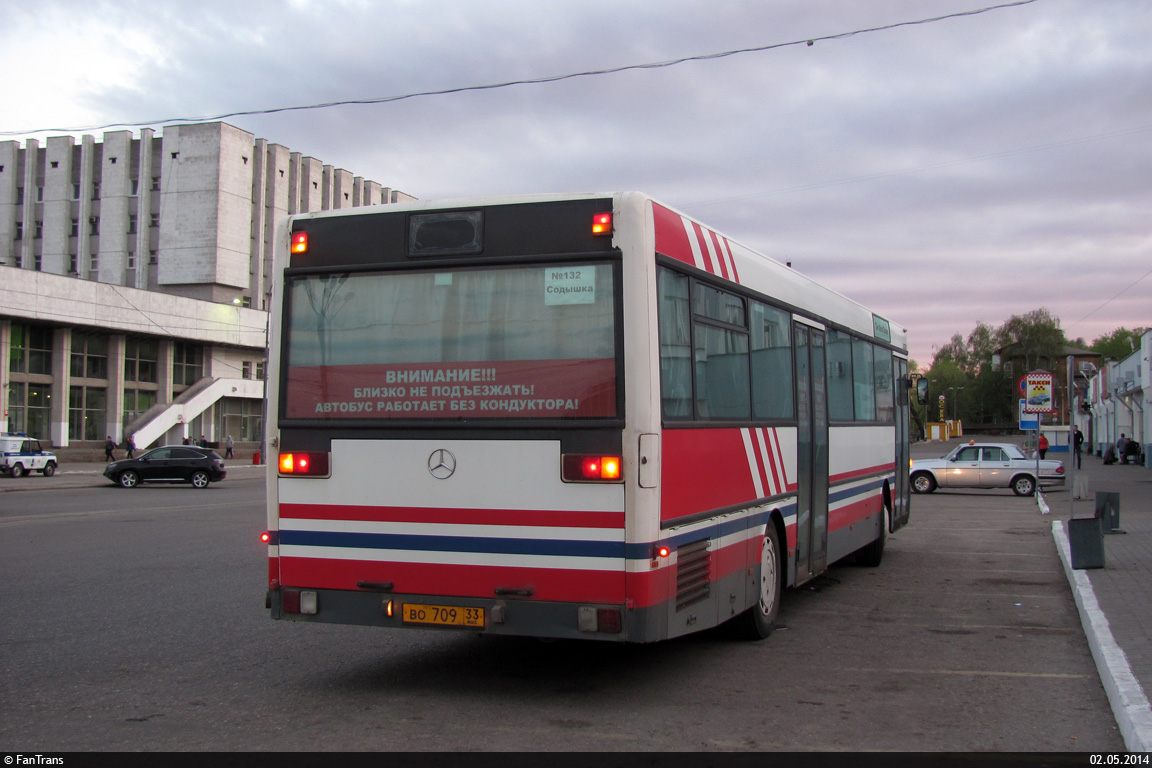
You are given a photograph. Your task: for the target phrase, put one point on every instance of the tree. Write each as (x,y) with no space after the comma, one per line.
(1118,344)
(1033,337)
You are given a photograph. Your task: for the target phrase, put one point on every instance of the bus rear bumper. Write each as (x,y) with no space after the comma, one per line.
(514,616)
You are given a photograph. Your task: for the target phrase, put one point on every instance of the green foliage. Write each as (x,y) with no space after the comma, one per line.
(978,393)
(1118,344)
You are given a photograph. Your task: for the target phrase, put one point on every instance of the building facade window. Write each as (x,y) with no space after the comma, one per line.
(241,418)
(31,350)
(187,364)
(29,408)
(136,404)
(89,356)
(87,412)
(141,360)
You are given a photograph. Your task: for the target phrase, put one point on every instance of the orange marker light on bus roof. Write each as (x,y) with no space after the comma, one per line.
(299,242)
(602,224)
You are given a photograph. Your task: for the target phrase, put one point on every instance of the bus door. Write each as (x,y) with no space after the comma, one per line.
(901,490)
(811,454)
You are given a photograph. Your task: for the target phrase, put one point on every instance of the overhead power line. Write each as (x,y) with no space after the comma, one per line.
(532,81)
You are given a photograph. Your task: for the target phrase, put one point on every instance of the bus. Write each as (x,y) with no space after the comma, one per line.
(567,416)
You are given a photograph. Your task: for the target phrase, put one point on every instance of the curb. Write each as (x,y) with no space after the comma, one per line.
(1129,704)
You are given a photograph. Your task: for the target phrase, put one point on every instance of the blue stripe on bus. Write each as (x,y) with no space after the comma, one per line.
(728,526)
(553,547)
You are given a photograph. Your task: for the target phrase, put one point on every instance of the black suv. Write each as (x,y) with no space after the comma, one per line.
(170,464)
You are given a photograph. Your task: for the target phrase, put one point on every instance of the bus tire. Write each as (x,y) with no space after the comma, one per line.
(757,622)
(870,555)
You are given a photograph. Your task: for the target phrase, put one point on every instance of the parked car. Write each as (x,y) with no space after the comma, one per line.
(985,465)
(169,464)
(21,455)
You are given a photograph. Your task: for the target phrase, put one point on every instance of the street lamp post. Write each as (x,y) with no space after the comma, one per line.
(957,390)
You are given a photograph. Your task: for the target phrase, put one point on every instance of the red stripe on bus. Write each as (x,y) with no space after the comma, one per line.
(644,589)
(862,472)
(671,238)
(458,516)
(720,255)
(434,579)
(850,514)
(703,469)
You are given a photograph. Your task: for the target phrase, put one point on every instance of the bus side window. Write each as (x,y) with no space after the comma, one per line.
(675,345)
(771,363)
(840,381)
(864,381)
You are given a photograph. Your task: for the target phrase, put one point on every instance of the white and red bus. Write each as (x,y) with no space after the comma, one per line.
(583,416)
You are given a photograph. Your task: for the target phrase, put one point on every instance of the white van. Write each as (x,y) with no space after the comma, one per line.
(20,454)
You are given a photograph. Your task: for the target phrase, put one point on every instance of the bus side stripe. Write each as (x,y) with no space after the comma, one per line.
(778,453)
(715,252)
(777,486)
(753,462)
(727,250)
(694,244)
(453,516)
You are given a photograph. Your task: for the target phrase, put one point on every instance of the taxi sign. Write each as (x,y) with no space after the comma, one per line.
(1039,390)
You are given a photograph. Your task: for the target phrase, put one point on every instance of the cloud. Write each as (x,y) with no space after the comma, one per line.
(946,173)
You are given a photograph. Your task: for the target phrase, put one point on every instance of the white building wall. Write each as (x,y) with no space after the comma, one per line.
(153,236)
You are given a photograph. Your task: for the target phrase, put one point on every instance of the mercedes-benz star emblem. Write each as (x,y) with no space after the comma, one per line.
(441,464)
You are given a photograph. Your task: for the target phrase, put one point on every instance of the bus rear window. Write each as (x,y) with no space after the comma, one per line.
(517,342)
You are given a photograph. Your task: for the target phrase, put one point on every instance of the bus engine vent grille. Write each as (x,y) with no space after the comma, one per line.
(693,571)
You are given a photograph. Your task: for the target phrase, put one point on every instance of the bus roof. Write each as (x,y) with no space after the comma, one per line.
(755,270)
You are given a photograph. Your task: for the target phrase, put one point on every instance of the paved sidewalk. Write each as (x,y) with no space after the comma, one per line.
(1119,629)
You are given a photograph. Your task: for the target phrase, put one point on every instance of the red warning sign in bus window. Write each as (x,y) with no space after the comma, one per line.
(502,389)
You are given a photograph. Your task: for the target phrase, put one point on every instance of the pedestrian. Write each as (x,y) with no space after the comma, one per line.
(109,446)
(130,446)
(1079,441)
(1121,447)
(228,447)
(1043,446)
(203,441)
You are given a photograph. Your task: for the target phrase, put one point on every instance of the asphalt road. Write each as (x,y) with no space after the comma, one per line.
(135,620)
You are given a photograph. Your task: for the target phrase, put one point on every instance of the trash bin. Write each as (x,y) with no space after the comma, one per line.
(1086,540)
(1108,510)
(256,457)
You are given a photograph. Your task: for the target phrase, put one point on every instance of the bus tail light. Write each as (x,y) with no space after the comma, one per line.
(591,469)
(300,601)
(302,464)
(602,224)
(593,619)
(299,242)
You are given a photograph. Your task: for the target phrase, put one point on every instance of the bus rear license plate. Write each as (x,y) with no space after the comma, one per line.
(442,615)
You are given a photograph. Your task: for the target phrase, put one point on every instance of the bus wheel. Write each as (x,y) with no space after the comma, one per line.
(870,555)
(757,622)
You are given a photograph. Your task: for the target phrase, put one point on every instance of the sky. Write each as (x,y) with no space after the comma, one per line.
(945,173)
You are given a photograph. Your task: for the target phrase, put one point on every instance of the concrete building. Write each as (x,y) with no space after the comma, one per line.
(1119,402)
(135,275)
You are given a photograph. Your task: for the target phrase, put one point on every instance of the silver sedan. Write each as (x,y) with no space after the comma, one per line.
(985,465)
